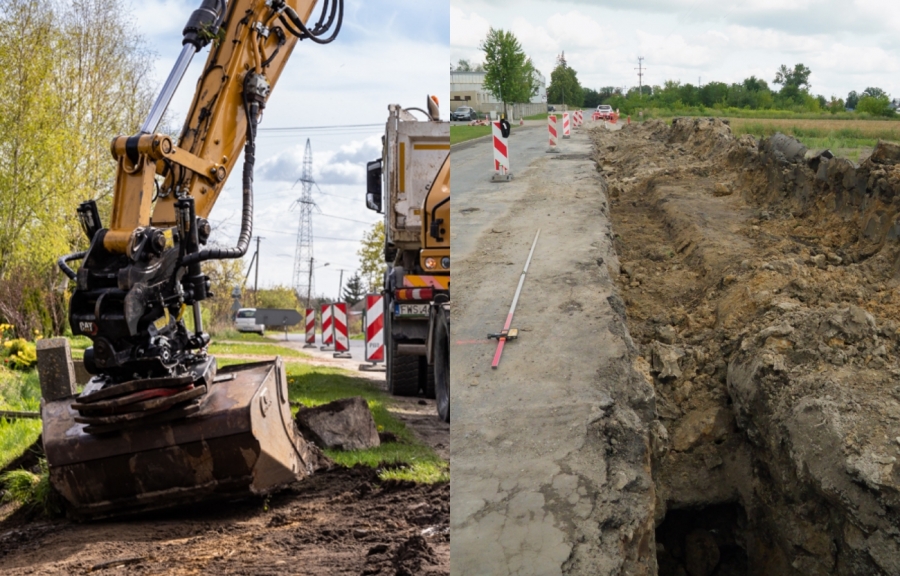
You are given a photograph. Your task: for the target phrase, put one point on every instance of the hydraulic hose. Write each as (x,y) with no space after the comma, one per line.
(247,212)
(333,8)
(68,258)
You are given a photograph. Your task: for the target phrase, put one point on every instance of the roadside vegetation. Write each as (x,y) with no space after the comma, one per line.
(405,459)
(462,133)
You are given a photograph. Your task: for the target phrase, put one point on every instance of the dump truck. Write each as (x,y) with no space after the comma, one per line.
(410,185)
(159,424)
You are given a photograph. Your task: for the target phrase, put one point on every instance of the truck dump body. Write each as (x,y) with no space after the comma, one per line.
(414,152)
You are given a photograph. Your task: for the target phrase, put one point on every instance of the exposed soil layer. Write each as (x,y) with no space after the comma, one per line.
(343,521)
(760,283)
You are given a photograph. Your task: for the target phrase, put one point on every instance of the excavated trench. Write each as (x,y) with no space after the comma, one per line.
(760,286)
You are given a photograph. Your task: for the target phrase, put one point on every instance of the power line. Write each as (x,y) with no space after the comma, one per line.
(308,128)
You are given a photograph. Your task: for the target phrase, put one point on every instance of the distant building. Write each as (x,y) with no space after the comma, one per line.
(467,89)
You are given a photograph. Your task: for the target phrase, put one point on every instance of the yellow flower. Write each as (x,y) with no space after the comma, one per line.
(8,343)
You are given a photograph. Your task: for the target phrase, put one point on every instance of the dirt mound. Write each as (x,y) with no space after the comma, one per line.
(760,286)
(326,525)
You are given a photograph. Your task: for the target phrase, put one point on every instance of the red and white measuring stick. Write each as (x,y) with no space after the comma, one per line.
(512,308)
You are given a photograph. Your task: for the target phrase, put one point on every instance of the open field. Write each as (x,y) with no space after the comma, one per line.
(852,139)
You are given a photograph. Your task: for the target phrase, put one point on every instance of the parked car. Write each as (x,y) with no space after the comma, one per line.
(245,321)
(464,113)
(551,109)
(603,112)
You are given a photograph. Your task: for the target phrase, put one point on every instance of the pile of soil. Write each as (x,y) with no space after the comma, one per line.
(342,521)
(760,283)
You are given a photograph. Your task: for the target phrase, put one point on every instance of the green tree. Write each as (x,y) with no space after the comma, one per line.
(592,98)
(875,92)
(852,100)
(508,72)
(224,276)
(354,291)
(280,297)
(564,86)
(371,258)
(835,105)
(72,75)
(875,105)
(794,82)
(463,65)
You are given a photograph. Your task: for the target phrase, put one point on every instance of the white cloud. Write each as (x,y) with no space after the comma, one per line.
(347,165)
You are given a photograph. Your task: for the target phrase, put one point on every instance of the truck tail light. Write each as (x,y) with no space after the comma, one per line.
(414,294)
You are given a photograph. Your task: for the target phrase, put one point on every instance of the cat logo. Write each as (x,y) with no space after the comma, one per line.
(88,328)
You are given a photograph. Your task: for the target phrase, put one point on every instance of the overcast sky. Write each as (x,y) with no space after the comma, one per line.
(848,44)
(388,51)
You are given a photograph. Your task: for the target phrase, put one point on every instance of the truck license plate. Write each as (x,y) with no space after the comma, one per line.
(411,309)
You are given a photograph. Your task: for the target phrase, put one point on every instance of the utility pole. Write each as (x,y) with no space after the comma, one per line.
(640,70)
(341,283)
(256,280)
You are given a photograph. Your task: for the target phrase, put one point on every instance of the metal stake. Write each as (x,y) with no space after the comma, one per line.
(512,309)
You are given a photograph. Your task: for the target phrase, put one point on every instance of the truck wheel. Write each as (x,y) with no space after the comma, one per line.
(402,373)
(442,371)
(426,373)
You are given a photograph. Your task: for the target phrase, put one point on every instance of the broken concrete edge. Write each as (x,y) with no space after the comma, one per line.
(626,423)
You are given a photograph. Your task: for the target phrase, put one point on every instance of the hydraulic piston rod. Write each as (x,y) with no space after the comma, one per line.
(168,90)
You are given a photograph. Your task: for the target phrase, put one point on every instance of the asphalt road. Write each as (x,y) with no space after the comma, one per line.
(534,477)
(476,200)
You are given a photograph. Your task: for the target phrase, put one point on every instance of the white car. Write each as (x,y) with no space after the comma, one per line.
(603,111)
(245,321)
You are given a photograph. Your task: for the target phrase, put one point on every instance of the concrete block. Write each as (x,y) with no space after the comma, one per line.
(55,368)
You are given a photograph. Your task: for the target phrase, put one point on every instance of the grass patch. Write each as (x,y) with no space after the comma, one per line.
(541,116)
(240,336)
(407,459)
(255,349)
(462,133)
(19,391)
(32,490)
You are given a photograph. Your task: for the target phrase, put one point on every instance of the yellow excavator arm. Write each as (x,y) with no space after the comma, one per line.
(251,43)
(143,269)
(159,424)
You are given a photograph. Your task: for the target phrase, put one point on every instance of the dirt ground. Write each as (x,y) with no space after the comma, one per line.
(341,521)
(761,291)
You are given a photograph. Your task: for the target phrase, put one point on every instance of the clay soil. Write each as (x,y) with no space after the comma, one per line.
(342,521)
(724,260)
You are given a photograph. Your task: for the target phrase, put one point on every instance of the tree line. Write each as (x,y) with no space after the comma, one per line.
(72,76)
(792,92)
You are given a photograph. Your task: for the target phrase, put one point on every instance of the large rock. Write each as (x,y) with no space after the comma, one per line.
(345,424)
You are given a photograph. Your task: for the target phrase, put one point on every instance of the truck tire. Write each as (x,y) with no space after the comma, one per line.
(402,372)
(426,373)
(442,370)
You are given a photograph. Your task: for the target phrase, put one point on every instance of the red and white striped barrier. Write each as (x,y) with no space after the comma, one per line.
(501,155)
(310,328)
(374,328)
(327,329)
(579,114)
(567,127)
(341,337)
(554,134)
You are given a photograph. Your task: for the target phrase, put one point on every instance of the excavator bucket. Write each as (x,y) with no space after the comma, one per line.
(242,441)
